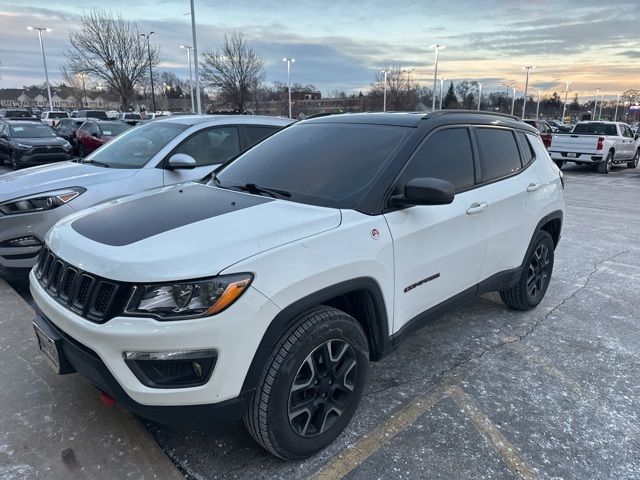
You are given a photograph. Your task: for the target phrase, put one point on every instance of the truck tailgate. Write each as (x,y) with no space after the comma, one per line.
(570,146)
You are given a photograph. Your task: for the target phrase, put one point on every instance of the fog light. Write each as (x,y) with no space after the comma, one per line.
(28,241)
(172,369)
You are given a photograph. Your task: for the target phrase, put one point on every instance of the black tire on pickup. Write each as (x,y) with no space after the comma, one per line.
(636,159)
(605,166)
(535,276)
(311,384)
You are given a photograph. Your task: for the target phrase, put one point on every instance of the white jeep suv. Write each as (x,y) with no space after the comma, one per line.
(265,291)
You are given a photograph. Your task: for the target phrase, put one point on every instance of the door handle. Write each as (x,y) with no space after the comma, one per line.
(476,208)
(533,187)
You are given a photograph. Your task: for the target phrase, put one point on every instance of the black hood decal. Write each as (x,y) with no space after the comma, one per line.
(132,221)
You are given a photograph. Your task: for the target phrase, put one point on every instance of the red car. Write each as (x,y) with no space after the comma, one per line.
(545,130)
(95,133)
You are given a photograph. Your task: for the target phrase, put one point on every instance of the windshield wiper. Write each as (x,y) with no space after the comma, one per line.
(253,188)
(96,162)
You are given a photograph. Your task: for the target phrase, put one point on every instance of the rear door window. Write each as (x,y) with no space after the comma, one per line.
(499,154)
(446,155)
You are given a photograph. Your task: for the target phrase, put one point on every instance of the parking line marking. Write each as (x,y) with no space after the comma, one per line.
(379,436)
(479,420)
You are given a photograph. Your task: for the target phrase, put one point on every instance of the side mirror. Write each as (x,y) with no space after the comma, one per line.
(181,161)
(425,191)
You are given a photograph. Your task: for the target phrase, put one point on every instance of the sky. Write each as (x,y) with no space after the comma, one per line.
(342,44)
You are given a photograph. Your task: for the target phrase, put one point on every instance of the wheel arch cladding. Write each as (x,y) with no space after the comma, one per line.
(360,298)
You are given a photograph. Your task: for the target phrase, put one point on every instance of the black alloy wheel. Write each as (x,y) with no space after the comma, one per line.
(14,161)
(322,388)
(538,274)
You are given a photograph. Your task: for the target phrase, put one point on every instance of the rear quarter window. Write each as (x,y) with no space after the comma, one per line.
(499,154)
(527,150)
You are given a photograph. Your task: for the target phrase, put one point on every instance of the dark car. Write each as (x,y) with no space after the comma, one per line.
(25,143)
(16,113)
(67,128)
(95,133)
(99,114)
(562,127)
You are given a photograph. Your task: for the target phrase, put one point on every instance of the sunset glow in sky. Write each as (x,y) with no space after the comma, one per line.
(341,44)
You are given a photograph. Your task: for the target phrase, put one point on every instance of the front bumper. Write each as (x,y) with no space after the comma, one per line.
(81,359)
(235,334)
(35,224)
(30,159)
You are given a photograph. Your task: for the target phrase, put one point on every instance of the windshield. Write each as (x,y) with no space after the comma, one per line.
(36,130)
(17,114)
(113,128)
(132,116)
(327,164)
(135,147)
(58,115)
(595,129)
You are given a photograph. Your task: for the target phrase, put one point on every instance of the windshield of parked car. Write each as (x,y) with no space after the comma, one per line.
(58,115)
(135,147)
(36,130)
(17,114)
(327,164)
(595,129)
(112,129)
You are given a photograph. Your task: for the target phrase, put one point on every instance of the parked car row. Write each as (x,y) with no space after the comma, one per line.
(206,269)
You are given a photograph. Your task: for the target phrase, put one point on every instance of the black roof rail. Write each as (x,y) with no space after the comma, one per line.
(472,112)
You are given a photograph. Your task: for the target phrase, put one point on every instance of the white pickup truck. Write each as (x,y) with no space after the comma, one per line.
(598,143)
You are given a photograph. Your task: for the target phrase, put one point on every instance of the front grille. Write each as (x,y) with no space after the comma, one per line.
(95,298)
(46,151)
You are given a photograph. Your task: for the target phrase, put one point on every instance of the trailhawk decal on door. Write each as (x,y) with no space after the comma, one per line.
(421,282)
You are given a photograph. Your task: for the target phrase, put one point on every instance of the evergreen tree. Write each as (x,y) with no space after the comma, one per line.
(450,100)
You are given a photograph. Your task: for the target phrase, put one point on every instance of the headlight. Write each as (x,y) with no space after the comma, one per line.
(40,201)
(22,146)
(67,146)
(181,300)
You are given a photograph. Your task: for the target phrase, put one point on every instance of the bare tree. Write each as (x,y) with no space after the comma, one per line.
(233,70)
(110,49)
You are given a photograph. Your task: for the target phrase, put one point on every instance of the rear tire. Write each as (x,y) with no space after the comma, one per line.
(635,161)
(311,384)
(605,167)
(536,274)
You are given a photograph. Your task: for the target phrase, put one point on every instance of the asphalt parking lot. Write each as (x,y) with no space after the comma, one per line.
(487,392)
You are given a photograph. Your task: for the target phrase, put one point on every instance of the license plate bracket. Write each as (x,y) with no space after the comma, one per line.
(572,155)
(50,345)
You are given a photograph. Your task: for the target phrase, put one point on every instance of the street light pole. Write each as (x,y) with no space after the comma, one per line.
(595,105)
(196,72)
(513,99)
(526,88)
(615,115)
(601,102)
(189,49)
(84,90)
(437,48)
(44,60)
(147,36)
(479,94)
(384,91)
(538,107)
(566,92)
(441,86)
(289,62)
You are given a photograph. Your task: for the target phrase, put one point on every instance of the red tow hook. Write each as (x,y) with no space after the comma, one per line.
(107,399)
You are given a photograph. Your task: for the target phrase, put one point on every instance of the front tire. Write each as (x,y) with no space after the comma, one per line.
(311,385)
(605,167)
(535,276)
(635,161)
(14,161)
